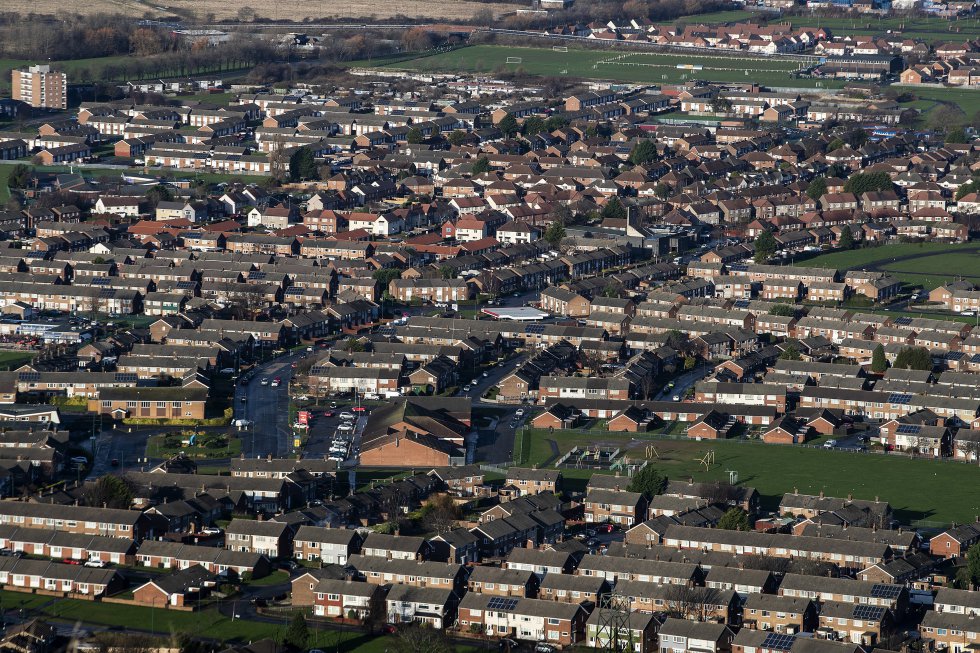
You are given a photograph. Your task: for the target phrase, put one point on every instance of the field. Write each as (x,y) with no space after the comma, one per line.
(928,29)
(928,98)
(265,9)
(924,491)
(928,264)
(643,67)
(13,359)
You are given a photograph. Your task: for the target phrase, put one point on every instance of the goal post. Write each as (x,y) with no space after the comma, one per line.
(515,60)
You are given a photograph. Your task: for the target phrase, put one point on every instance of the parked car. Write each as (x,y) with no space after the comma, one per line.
(830,444)
(264,381)
(98,564)
(346,415)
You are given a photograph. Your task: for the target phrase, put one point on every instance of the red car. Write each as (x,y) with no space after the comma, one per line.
(329,413)
(388,629)
(359,409)
(71,561)
(606,528)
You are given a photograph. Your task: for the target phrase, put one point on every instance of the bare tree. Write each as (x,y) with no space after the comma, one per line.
(278,158)
(694,603)
(970,449)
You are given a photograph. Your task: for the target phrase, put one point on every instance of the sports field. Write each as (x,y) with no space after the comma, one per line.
(926,491)
(642,67)
(927,264)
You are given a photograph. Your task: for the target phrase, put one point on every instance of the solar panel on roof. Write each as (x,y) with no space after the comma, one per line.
(899,398)
(29,376)
(778,641)
(502,603)
(904,321)
(882,591)
(107,293)
(100,281)
(386,331)
(742,303)
(908,429)
(534,328)
(256,275)
(126,376)
(869,612)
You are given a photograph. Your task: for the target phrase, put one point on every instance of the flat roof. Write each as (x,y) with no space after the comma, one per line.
(518,313)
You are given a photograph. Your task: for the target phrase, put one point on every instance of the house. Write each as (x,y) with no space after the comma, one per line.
(525,480)
(639,632)
(618,507)
(395,547)
(273,539)
(559,624)
(179,589)
(684,636)
(503,582)
(345,599)
(955,541)
(780,614)
(428,605)
(326,545)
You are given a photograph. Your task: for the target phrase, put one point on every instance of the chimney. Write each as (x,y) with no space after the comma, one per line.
(849,496)
(821,494)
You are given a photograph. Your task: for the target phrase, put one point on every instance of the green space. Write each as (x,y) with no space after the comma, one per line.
(13,359)
(928,29)
(715,17)
(95,171)
(646,67)
(207,445)
(278,577)
(921,491)
(929,98)
(925,264)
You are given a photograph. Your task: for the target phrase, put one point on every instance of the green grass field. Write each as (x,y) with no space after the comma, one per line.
(643,67)
(929,98)
(12,359)
(206,177)
(919,490)
(927,264)
(928,29)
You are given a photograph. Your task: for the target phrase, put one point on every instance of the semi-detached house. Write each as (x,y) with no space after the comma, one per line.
(561,624)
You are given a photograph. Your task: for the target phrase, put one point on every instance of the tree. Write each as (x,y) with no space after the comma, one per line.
(109,491)
(20,176)
(440,514)
(447,272)
(246,14)
(846,240)
(159,193)
(482,165)
(720,104)
(384,276)
(782,310)
(913,358)
(973,565)
(946,117)
(297,634)
(561,214)
(967,188)
(765,247)
(879,364)
(643,152)
(457,137)
(353,345)
(866,182)
(648,481)
(613,209)
(302,165)
(662,190)
(533,125)
(817,188)
(414,136)
(508,125)
(690,362)
(554,234)
(691,603)
(957,135)
(420,638)
(735,519)
(835,144)
(677,340)
(791,353)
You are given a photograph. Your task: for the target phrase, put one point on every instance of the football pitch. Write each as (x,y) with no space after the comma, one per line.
(638,67)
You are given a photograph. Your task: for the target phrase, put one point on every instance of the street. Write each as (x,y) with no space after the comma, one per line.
(267,408)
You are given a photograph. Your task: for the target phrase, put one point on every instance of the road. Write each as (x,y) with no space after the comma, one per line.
(267,408)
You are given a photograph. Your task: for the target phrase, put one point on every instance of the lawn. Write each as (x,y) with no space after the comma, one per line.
(160,173)
(925,491)
(157,446)
(928,29)
(275,578)
(925,264)
(929,98)
(645,67)
(13,359)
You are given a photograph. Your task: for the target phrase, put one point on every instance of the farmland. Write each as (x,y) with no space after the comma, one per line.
(927,264)
(267,9)
(642,67)
(942,491)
